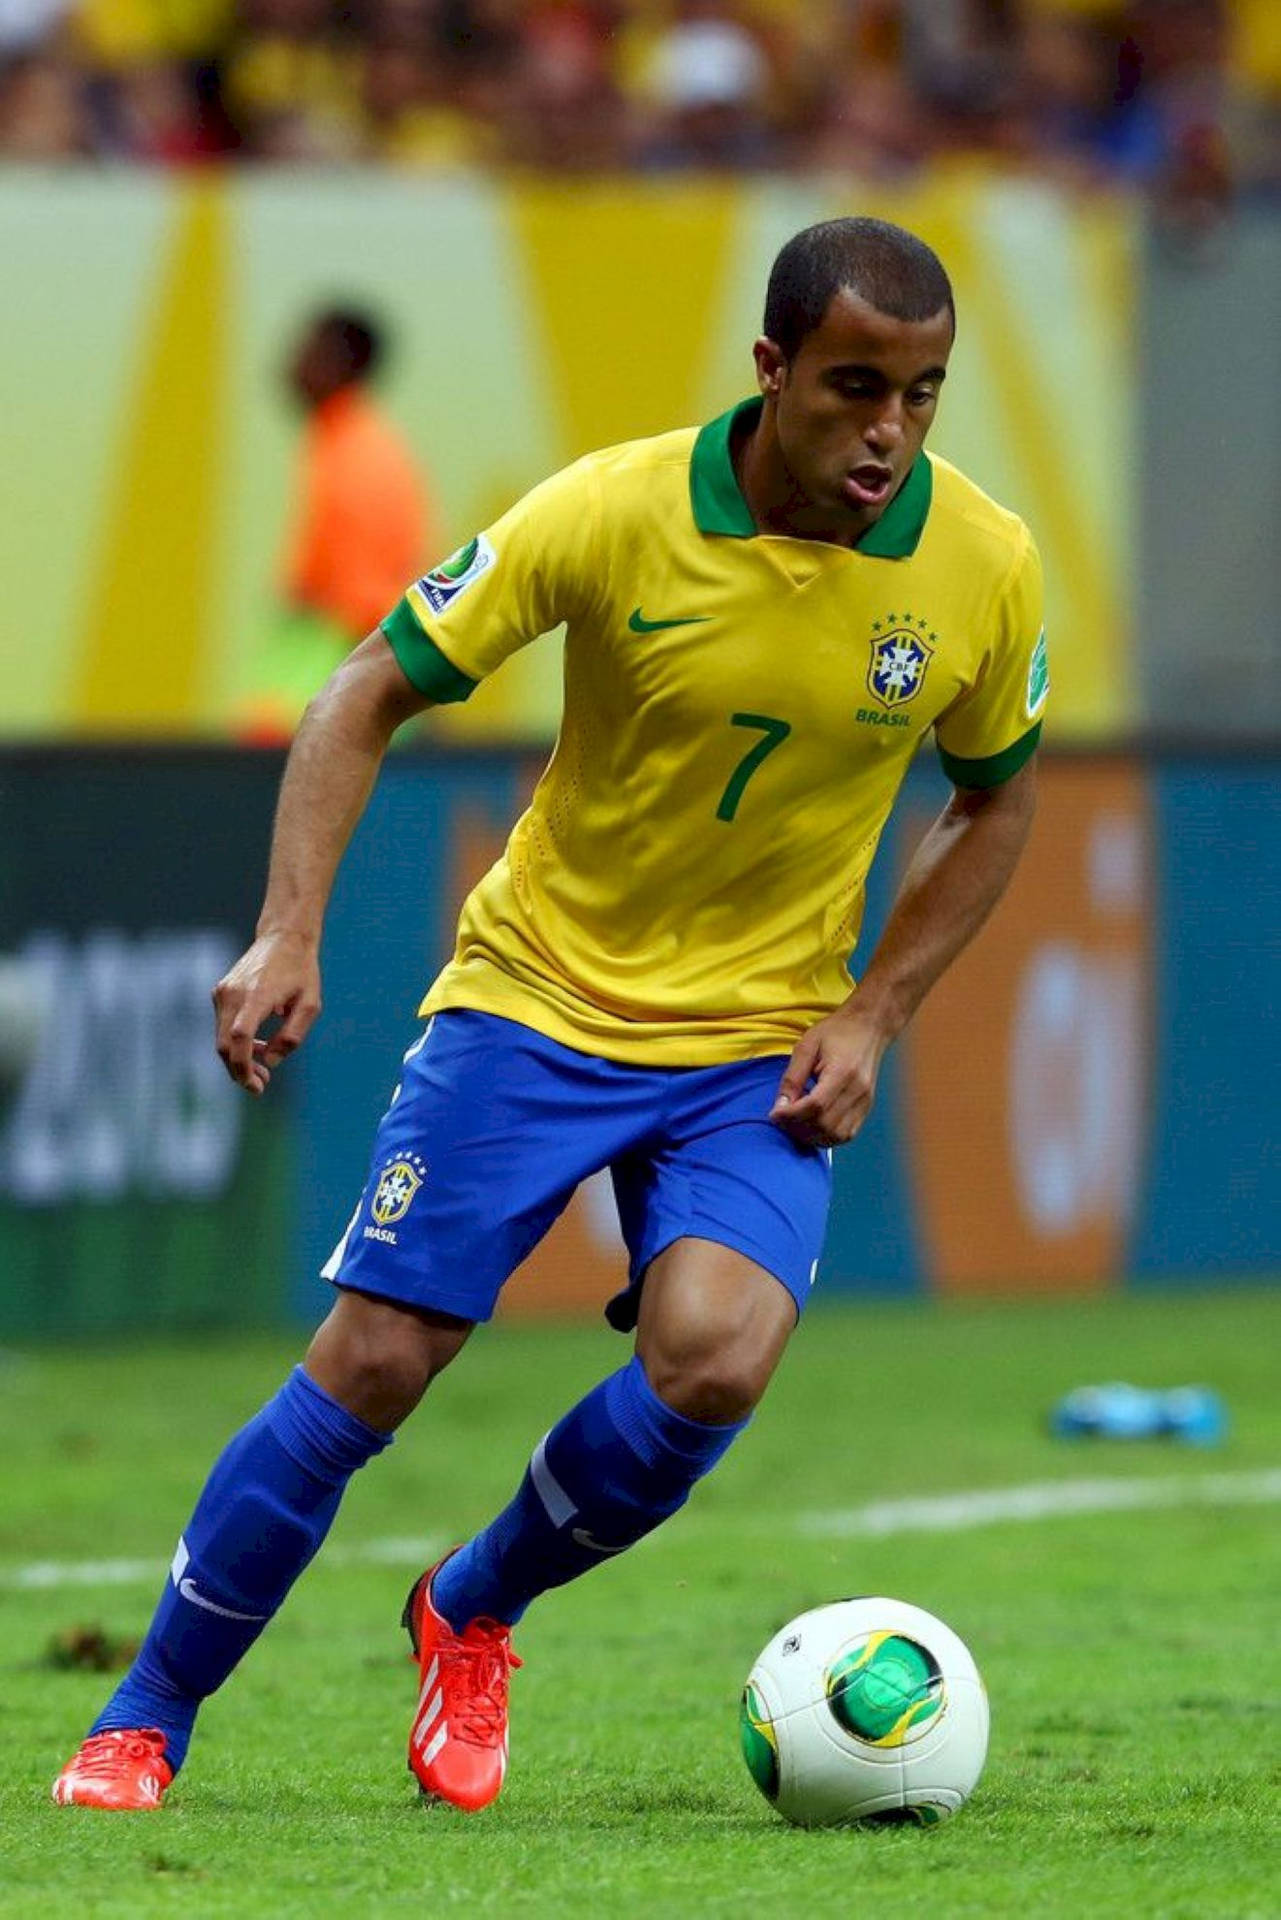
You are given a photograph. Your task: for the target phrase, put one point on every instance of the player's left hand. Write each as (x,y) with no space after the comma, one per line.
(841,1057)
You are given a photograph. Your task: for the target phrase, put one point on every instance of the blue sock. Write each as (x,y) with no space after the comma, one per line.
(619,1463)
(263,1513)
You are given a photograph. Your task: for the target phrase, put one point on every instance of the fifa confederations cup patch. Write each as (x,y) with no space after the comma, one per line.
(1038,677)
(453,576)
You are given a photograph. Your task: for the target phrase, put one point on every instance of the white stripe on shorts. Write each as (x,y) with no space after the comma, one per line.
(330,1269)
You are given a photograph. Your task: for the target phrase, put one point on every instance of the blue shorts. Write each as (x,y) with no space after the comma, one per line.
(494,1125)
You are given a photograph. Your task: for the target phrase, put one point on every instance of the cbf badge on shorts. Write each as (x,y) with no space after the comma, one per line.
(394,1194)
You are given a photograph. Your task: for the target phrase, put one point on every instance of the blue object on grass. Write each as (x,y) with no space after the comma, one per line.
(1195,1415)
(1119,1411)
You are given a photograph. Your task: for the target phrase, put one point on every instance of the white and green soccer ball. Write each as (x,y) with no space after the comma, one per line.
(865,1710)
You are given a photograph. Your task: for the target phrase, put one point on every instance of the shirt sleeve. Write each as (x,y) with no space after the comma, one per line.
(520,578)
(989,733)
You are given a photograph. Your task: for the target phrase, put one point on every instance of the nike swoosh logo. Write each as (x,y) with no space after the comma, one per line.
(586,1539)
(189,1591)
(639,624)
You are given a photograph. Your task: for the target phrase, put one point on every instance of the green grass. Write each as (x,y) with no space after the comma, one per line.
(1131,1658)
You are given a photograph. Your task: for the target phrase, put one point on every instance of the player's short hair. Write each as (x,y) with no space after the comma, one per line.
(360,338)
(887,266)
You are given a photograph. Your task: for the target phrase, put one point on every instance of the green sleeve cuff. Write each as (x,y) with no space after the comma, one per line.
(996,770)
(421,660)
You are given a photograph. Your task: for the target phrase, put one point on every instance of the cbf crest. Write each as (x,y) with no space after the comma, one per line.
(398,1182)
(902,648)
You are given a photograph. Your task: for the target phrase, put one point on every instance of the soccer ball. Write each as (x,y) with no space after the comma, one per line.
(865,1710)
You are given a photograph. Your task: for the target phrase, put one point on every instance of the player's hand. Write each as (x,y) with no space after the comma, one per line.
(277,978)
(841,1057)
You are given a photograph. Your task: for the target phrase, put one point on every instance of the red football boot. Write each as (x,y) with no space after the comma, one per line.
(458,1742)
(121,1772)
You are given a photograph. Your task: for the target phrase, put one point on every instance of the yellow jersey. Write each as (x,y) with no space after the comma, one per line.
(686,885)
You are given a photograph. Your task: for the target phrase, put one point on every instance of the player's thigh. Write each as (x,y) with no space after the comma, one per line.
(723,1174)
(712,1328)
(487,1136)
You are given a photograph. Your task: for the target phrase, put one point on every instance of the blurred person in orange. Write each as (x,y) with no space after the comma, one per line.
(365,522)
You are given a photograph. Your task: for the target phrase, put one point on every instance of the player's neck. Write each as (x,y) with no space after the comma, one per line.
(774,500)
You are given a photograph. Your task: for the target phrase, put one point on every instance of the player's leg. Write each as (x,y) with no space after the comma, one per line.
(724,1217)
(419,1263)
(260,1518)
(711,1331)
(713,1326)
(532,1119)
(624,1459)
(377,1357)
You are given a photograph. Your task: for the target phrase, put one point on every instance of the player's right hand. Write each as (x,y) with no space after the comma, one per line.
(277,978)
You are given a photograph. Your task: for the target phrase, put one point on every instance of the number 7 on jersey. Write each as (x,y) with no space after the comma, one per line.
(773,732)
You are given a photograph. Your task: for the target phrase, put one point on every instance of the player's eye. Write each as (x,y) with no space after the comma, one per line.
(921,396)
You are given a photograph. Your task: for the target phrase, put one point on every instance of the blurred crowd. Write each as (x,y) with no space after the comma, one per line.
(1181,96)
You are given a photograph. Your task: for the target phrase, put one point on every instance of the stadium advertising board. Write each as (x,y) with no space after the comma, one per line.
(152,445)
(1027,1067)
(137,1187)
(1084,1102)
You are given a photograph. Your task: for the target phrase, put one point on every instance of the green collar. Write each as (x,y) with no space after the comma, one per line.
(719,506)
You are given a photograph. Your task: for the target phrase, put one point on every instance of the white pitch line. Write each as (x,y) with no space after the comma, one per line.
(80,1573)
(393,1551)
(1040,1500)
(939,1513)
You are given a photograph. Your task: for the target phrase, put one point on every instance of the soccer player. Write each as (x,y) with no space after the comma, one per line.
(763,619)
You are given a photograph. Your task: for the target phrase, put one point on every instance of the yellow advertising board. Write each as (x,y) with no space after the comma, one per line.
(148,461)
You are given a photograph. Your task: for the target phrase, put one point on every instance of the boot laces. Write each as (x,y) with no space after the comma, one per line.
(474,1671)
(103,1752)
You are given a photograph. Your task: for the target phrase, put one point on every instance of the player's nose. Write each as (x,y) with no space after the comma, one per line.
(884,430)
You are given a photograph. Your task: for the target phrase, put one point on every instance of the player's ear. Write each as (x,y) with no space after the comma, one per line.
(771,366)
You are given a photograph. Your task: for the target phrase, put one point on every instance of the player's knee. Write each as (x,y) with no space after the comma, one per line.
(378,1360)
(718,1387)
(390,1377)
(709,1349)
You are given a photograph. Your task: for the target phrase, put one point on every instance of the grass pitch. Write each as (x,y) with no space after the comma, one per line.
(1131,1656)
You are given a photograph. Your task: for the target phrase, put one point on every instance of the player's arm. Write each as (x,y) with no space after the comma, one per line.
(957,874)
(532,569)
(328,778)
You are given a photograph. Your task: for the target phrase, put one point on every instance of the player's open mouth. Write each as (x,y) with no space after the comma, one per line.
(868,485)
